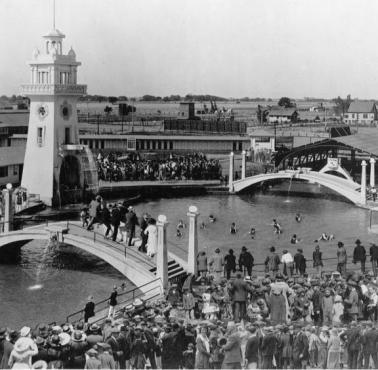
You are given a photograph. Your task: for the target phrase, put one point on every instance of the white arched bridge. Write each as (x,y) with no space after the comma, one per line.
(135,265)
(343,186)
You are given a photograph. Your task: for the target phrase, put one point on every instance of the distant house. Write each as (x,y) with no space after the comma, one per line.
(282,115)
(361,112)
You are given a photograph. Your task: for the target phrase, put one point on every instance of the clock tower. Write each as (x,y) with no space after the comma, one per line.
(54,158)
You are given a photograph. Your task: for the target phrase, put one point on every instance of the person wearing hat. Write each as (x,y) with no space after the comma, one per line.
(78,348)
(359,255)
(202,264)
(374,258)
(92,362)
(216,264)
(317,260)
(115,220)
(94,336)
(23,351)
(288,263)
(130,225)
(106,359)
(112,302)
(143,223)
(105,217)
(300,349)
(94,211)
(114,344)
(89,309)
(252,349)
(300,262)
(246,261)
(229,263)
(239,293)
(6,348)
(272,262)
(341,259)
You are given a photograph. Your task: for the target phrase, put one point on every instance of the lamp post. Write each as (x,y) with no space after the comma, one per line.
(193,240)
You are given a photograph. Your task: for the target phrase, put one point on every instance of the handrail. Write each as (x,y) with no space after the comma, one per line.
(114,244)
(120,295)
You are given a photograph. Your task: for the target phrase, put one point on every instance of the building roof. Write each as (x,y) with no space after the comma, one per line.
(14,118)
(359,106)
(366,142)
(283,112)
(12,155)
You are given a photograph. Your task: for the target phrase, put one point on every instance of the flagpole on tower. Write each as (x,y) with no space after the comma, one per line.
(53,14)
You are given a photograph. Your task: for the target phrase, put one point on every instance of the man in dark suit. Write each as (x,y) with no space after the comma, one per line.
(116,220)
(114,344)
(169,358)
(374,258)
(300,262)
(268,348)
(359,255)
(239,293)
(252,349)
(143,223)
(300,349)
(246,261)
(131,222)
(106,217)
(369,345)
(352,337)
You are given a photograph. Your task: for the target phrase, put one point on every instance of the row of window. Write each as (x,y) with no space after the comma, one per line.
(133,144)
(4,170)
(64,78)
(355,115)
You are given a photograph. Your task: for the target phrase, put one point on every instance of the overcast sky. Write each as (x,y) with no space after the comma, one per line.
(231,48)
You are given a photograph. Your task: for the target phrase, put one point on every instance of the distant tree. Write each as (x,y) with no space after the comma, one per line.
(286,102)
(112,99)
(108,109)
(122,98)
(262,114)
(342,105)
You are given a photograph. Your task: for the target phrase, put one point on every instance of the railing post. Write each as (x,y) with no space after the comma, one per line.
(162,251)
(193,240)
(363,182)
(372,172)
(231,174)
(8,208)
(243,164)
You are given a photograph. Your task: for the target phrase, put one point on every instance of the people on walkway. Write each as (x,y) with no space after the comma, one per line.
(287,261)
(341,259)
(230,263)
(317,260)
(112,302)
(359,255)
(152,233)
(246,261)
(300,262)
(216,264)
(272,262)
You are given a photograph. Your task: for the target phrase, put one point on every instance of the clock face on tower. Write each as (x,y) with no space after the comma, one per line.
(42,111)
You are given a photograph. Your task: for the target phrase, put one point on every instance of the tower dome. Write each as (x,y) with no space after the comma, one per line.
(72,53)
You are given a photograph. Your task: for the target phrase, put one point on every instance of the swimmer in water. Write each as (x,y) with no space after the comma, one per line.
(298,217)
(212,219)
(277,227)
(325,237)
(233,228)
(294,239)
(181,224)
(203,226)
(252,233)
(178,233)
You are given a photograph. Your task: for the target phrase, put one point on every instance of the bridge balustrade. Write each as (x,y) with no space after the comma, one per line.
(124,299)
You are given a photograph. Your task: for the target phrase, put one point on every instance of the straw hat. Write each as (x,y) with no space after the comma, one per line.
(22,345)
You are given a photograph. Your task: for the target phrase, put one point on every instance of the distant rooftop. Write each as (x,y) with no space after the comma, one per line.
(359,106)
(14,118)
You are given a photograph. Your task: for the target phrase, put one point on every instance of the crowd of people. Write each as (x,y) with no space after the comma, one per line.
(267,322)
(133,167)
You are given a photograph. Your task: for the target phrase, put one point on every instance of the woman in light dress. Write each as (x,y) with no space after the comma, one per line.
(151,231)
(334,350)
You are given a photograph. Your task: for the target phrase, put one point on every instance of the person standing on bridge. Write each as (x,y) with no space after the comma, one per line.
(116,220)
(106,217)
(89,309)
(131,222)
(94,212)
(112,302)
